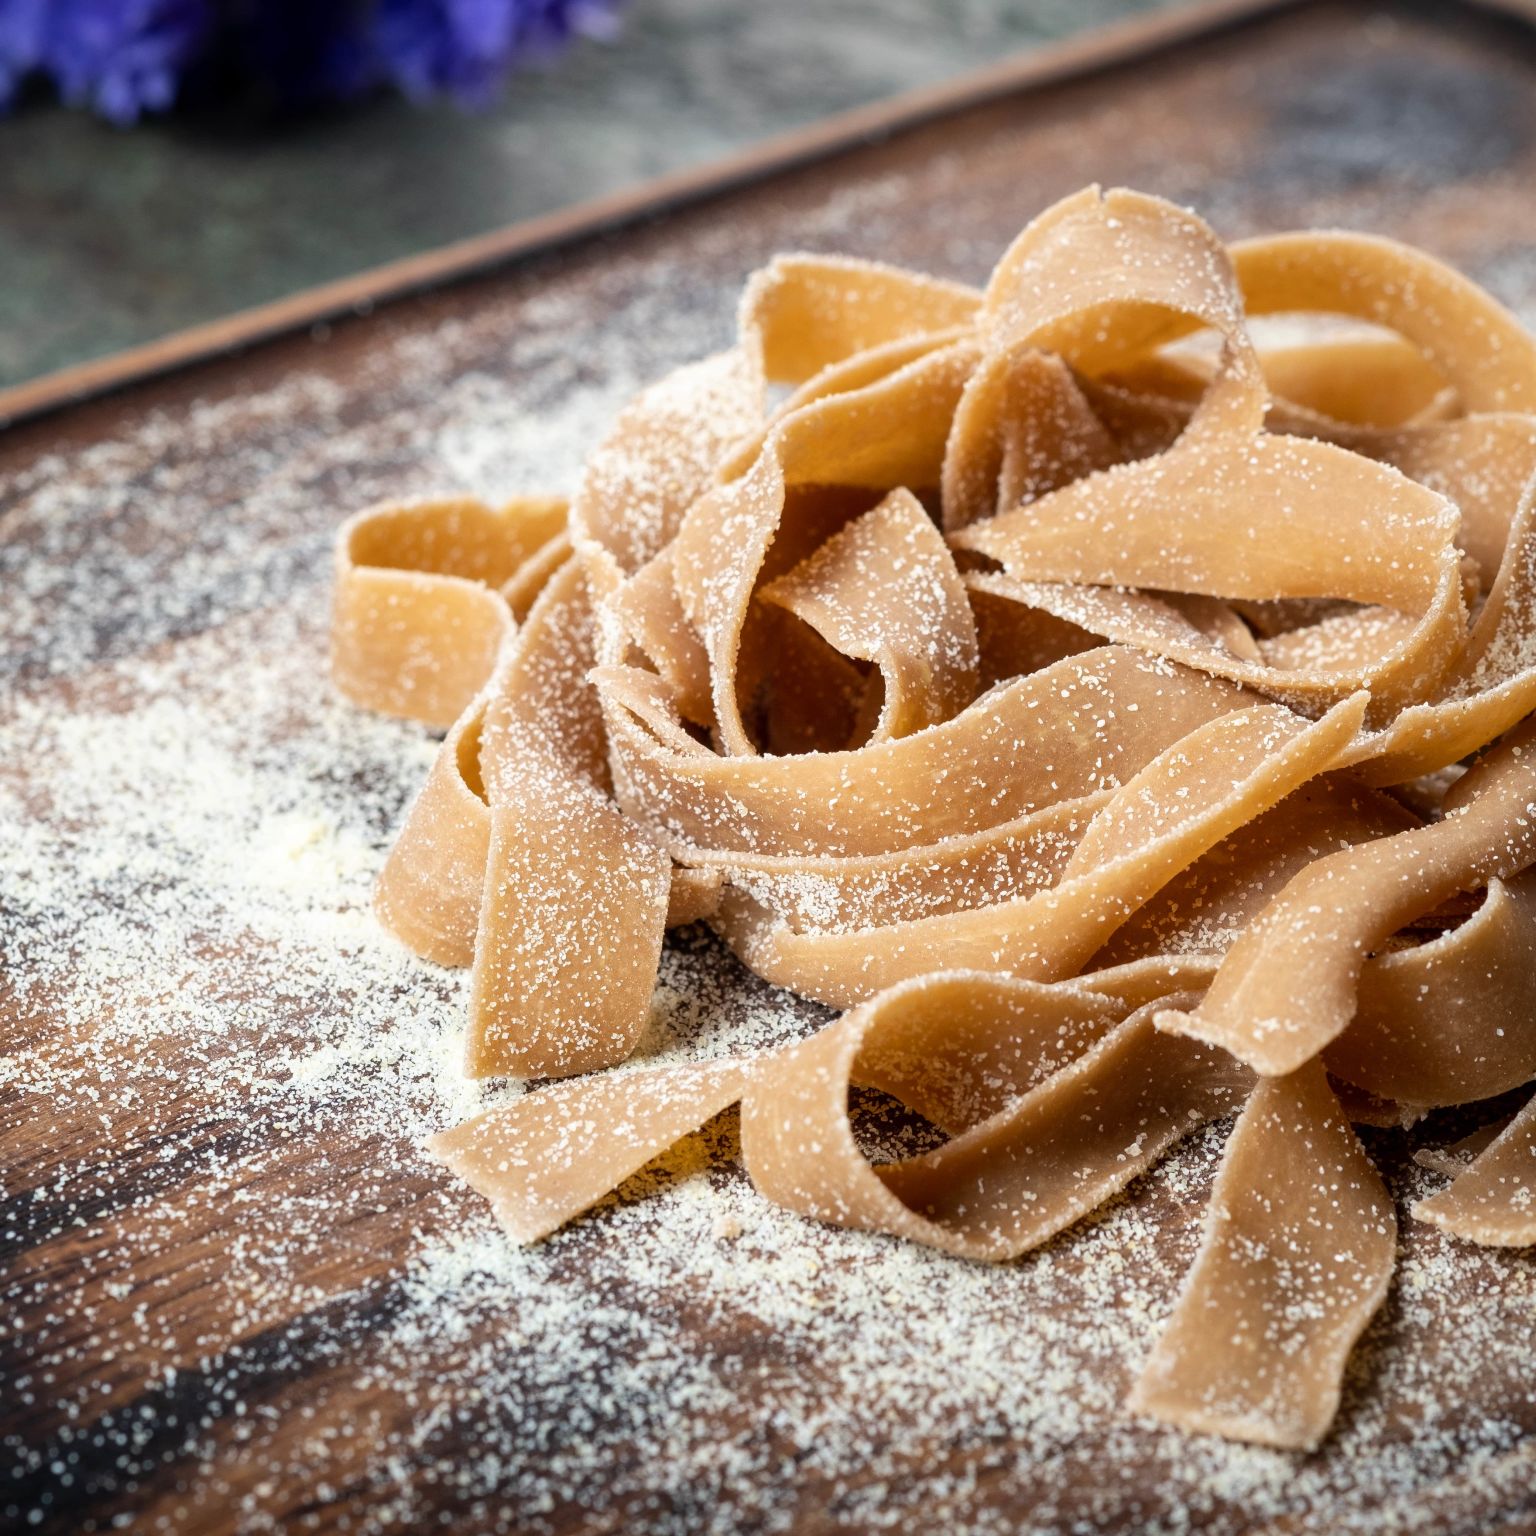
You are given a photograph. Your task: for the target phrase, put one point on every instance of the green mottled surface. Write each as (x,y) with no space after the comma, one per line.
(110,238)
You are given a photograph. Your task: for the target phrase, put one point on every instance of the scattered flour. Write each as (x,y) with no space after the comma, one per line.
(237,1295)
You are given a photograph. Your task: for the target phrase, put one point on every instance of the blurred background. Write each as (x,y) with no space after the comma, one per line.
(164,162)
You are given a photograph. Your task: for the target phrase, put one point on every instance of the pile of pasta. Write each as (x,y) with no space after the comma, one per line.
(1124,723)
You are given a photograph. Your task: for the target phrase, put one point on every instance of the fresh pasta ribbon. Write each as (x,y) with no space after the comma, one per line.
(891,563)
(1297,1255)
(1067,680)
(1288,986)
(429,891)
(1477,1037)
(1007,1066)
(426,594)
(1170,812)
(1493,1201)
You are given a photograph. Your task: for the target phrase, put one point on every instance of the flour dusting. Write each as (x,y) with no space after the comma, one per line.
(256,1277)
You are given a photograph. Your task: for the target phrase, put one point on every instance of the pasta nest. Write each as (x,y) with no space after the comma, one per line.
(1111,696)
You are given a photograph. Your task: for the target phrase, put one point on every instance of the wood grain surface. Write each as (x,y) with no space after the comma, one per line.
(168,1360)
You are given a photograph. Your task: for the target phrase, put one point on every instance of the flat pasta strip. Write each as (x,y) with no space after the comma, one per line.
(420,614)
(1166,816)
(1365,535)
(886,435)
(1202,910)
(1287,988)
(1007,1066)
(1372,380)
(810,313)
(1026,745)
(549,1156)
(1493,1202)
(1022,427)
(1452,1020)
(575,895)
(430,888)
(828,894)
(1475,344)
(1003,1185)
(1297,1255)
(640,481)
(885,590)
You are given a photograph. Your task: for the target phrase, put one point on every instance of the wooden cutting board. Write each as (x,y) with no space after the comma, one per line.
(234,1294)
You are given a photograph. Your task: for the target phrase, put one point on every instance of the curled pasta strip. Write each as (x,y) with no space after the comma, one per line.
(1494,1200)
(427,593)
(1297,1255)
(1288,987)
(1478,1039)
(892,562)
(430,889)
(1174,809)
(1066,680)
(1007,1067)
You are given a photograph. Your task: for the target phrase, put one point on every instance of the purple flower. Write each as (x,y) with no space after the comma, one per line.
(301,52)
(464,48)
(123,57)
(22,26)
(552,23)
(461,46)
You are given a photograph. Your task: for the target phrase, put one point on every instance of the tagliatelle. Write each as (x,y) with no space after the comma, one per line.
(1298,1252)
(1287,988)
(1494,1200)
(427,593)
(1069,687)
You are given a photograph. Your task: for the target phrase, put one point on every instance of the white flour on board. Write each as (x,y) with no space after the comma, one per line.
(191,828)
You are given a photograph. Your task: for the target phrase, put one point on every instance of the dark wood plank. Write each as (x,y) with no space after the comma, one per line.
(1135,37)
(226,1290)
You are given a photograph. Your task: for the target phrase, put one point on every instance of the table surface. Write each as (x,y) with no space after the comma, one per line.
(112,238)
(236,1296)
